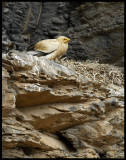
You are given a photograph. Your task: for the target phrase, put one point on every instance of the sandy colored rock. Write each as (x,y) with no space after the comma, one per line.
(51,110)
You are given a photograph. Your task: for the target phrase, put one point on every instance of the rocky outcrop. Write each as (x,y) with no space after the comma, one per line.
(51,111)
(96,29)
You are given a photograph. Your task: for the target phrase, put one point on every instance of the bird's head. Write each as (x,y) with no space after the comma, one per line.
(63,39)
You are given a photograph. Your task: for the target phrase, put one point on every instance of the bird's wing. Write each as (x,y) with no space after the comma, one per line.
(36,53)
(47,46)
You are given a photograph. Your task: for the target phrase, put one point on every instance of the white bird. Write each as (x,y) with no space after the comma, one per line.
(50,48)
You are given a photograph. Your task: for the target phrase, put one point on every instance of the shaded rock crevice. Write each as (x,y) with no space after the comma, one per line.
(77,117)
(64,109)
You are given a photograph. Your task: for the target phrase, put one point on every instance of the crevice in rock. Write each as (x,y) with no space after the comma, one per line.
(18,119)
(61,110)
(67,143)
(28,150)
(102,155)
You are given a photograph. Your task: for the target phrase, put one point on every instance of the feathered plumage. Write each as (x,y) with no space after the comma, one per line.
(51,48)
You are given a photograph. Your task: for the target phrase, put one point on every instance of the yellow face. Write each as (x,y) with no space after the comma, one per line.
(66,40)
(63,39)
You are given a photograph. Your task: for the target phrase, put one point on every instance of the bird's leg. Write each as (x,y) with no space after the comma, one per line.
(56,59)
(64,58)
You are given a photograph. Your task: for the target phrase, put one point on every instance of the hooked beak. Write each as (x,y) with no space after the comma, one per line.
(67,40)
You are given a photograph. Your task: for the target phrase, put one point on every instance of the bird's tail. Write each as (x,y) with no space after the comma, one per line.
(31,47)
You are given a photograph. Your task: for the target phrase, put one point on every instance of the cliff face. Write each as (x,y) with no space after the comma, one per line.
(96,29)
(51,111)
(68,109)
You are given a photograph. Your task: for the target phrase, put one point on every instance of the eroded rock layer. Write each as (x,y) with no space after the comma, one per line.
(49,110)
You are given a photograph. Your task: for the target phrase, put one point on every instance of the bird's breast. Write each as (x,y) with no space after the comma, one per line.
(63,48)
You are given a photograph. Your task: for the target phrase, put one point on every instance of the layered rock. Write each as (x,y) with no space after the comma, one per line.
(51,111)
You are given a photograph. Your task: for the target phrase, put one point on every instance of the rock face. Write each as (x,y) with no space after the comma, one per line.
(96,29)
(51,111)
(63,109)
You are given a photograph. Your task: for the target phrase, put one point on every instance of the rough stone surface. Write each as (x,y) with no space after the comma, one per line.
(51,111)
(64,109)
(96,29)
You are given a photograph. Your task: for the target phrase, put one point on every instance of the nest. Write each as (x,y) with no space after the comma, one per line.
(105,73)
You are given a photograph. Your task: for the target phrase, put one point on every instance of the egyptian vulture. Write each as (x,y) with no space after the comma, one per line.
(51,48)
